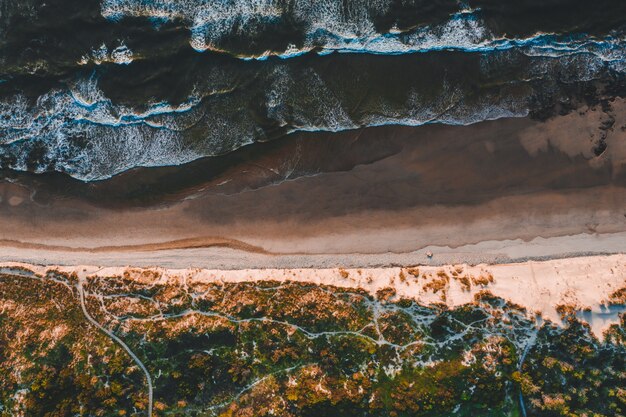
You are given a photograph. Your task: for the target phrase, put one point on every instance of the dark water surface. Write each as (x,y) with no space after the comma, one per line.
(93,89)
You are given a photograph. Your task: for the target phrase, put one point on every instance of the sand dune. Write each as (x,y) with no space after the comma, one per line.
(582,283)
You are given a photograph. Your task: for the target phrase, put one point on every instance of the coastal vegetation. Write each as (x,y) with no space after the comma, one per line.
(291,349)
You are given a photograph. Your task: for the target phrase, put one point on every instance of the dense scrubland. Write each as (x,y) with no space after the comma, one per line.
(291,349)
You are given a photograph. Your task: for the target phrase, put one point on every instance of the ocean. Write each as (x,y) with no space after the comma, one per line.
(93,89)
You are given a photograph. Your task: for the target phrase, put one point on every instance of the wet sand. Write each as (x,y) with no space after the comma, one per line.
(388,194)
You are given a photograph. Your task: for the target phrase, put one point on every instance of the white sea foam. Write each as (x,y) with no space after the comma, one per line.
(334,25)
(209,21)
(120,55)
(320,110)
(80,131)
(116,138)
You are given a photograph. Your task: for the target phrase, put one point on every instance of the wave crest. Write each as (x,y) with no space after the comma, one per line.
(335,25)
(78,130)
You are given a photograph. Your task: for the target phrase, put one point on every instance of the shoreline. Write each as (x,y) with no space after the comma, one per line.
(230,254)
(494,192)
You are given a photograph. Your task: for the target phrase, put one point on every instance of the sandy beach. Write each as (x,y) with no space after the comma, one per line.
(496,191)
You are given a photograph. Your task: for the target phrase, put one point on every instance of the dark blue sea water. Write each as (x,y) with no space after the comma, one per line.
(95,88)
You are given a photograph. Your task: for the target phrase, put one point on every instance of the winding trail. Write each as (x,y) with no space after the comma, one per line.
(119,341)
(79,287)
(529,344)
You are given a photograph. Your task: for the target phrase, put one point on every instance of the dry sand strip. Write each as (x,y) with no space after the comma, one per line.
(229,254)
(582,283)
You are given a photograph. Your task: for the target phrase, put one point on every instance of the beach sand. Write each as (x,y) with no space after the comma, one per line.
(500,191)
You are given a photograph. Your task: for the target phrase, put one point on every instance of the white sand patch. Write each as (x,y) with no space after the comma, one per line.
(582,283)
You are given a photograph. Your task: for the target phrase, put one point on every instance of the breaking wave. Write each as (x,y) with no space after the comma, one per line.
(120,55)
(327,26)
(79,131)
